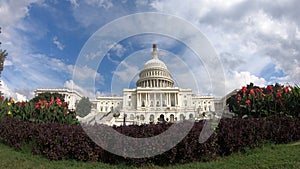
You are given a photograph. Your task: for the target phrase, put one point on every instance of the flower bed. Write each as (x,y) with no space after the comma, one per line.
(254,101)
(42,111)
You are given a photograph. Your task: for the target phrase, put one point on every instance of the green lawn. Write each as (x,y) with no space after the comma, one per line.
(269,156)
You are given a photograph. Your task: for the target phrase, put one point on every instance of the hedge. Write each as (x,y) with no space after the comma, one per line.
(66,141)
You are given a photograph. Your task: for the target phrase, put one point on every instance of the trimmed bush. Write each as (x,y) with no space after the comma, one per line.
(64,141)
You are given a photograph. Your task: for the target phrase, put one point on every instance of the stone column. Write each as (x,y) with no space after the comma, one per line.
(154,99)
(176,99)
(161,102)
(169,99)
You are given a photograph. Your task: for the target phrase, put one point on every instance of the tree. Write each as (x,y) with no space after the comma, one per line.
(83,107)
(47,96)
(3,55)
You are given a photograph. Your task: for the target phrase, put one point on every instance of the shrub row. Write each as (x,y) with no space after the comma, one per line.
(64,141)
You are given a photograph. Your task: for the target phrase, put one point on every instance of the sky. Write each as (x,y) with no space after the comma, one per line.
(255,41)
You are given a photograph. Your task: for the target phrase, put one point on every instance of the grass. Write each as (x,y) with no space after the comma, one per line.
(268,156)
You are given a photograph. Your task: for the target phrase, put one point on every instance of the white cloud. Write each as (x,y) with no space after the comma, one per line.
(84,73)
(8,93)
(254,36)
(74,3)
(118,49)
(13,11)
(235,80)
(58,44)
(70,84)
(126,71)
(100,3)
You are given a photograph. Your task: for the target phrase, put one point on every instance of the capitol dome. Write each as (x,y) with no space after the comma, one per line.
(155,73)
(155,63)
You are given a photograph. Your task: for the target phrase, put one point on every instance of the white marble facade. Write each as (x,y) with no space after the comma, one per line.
(155,99)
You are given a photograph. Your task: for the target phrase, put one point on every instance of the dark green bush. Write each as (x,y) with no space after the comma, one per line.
(64,141)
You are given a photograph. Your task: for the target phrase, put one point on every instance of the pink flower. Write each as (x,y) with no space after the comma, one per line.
(239,98)
(252,92)
(248,102)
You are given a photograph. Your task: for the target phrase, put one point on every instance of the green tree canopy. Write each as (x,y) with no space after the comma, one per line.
(3,55)
(47,96)
(83,107)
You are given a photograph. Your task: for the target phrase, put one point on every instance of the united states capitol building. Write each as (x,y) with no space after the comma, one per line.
(155,99)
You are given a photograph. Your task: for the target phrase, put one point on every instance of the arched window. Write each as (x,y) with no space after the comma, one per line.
(191,116)
(172,118)
(142,117)
(161,118)
(151,118)
(131,117)
(181,117)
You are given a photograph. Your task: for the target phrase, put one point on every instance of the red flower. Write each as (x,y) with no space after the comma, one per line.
(248,102)
(51,102)
(270,88)
(65,104)
(258,90)
(286,89)
(58,101)
(22,104)
(244,89)
(278,94)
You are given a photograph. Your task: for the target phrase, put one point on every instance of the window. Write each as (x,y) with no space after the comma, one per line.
(171,118)
(131,117)
(142,117)
(181,117)
(129,97)
(151,118)
(191,116)
(143,103)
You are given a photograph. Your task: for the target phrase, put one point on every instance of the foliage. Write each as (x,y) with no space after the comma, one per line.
(83,107)
(3,55)
(267,156)
(253,101)
(42,111)
(63,141)
(47,96)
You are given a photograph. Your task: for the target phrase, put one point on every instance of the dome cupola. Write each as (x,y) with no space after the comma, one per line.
(155,73)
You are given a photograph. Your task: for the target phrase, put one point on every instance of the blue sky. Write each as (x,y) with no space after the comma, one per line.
(256,41)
